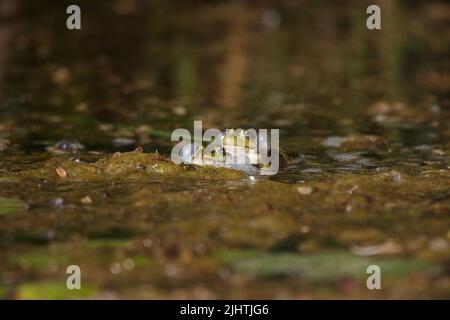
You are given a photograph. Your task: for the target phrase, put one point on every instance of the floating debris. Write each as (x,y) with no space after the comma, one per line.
(394,175)
(438,244)
(438,152)
(344,157)
(271,18)
(123,142)
(423,147)
(115,268)
(61,76)
(4,144)
(355,142)
(312,170)
(61,172)
(179,111)
(128,264)
(66,146)
(333,141)
(304,190)
(86,200)
(57,203)
(388,247)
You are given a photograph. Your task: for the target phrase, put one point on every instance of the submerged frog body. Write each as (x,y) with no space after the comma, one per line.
(193,154)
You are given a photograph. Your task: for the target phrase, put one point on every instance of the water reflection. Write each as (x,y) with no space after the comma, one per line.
(315,72)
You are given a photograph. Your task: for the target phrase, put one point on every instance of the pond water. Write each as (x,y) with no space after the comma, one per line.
(364,115)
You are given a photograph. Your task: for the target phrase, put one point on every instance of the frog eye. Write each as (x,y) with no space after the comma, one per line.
(189,152)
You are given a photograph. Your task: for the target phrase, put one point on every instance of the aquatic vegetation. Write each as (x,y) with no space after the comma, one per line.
(130,165)
(327,266)
(10,205)
(51,290)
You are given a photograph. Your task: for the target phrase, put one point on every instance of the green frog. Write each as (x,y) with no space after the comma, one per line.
(239,150)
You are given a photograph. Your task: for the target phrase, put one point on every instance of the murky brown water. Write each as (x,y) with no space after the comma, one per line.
(364,114)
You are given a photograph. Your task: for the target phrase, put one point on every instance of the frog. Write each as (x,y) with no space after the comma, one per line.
(232,144)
